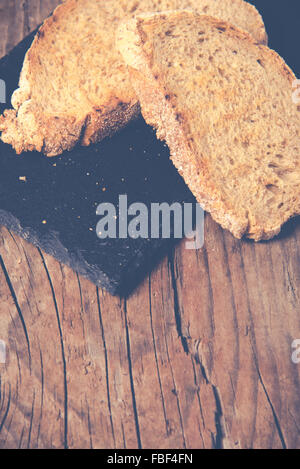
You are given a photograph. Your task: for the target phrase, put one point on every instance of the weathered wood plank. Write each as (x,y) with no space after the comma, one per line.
(244,341)
(19,17)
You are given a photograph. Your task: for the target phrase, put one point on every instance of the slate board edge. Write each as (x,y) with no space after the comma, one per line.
(52,245)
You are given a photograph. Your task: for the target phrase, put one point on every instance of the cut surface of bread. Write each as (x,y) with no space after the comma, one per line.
(224,106)
(74,85)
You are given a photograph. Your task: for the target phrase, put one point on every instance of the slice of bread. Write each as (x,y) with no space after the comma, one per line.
(74,85)
(224,106)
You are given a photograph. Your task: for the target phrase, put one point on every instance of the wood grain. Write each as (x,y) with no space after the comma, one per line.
(198,357)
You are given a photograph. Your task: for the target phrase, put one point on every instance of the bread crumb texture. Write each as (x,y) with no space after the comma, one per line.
(74,85)
(223,103)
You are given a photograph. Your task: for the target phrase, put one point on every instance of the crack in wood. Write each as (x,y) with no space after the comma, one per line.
(62,351)
(123,435)
(6,410)
(177,312)
(175,392)
(135,412)
(156,362)
(276,419)
(31,420)
(211,296)
(13,294)
(291,285)
(81,305)
(42,394)
(106,366)
(220,434)
(199,400)
(218,437)
(89,425)
(26,17)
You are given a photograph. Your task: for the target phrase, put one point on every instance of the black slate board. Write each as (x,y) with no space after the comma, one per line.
(62,189)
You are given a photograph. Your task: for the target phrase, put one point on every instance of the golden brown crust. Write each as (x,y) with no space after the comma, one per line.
(261,35)
(100,126)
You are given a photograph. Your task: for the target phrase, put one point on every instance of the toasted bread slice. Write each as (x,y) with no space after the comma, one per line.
(74,85)
(224,106)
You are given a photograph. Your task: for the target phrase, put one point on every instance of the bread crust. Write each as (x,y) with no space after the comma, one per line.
(30,127)
(51,134)
(159,111)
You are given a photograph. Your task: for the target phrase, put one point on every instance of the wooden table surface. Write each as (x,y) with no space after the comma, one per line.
(200,356)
